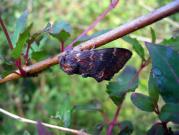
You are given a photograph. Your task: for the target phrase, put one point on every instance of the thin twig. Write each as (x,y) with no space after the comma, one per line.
(114,121)
(98,19)
(26,56)
(6,33)
(154,16)
(45,124)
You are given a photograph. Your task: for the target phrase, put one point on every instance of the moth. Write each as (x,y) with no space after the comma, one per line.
(100,64)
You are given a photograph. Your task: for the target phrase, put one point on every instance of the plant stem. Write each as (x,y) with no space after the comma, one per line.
(163,123)
(73,131)
(6,33)
(165,127)
(157,111)
(26,57)
(98,19)
(113,123)
(62,46)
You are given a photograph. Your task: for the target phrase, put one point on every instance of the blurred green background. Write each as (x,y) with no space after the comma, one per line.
(42,97)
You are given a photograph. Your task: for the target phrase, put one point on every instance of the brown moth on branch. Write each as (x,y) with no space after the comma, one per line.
(167,10)
(100,64)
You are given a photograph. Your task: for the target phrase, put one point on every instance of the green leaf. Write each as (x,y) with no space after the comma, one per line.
(26,133)
(165,71)
(24,36)
(37,51)
(126,128)
(65,112)
(38,55)
(40,36)
(93,106)
(136,46)
(43,42)
(127,81)
(172,42)
(170,112)
(153,35)
(153,89)
(143,102)
(156,129)
(6,67)
(61,30)
(19,28)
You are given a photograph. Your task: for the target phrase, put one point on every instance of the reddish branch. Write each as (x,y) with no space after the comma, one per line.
(114,34)
(114,121)
(98,19)
(26,56)
(144,64)
(6,33)
(18,61)
(163,123)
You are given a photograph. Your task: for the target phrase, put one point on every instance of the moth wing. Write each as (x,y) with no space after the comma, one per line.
(102,64)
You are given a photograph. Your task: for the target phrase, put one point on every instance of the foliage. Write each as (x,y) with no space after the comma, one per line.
(75,102)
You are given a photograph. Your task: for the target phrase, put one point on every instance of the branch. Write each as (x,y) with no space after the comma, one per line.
(98,19)
(114,121)
(154,16)
(176,24)
(6,33)
(45,124)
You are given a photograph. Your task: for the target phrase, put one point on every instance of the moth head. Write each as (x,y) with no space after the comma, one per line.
(68,63)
